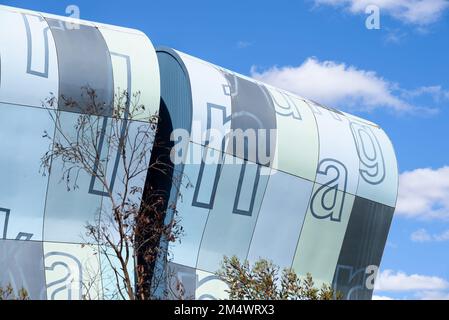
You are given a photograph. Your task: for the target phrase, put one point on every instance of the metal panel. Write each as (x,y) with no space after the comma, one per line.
(211,105)
(72,272)
(362,247)
(336,143)
(28,59)
(229,230)
(136,71)
(23,145)
(280,219)
(297,145)
(84,62)
(22,267)
(323,234)
(378,165)
(68,210)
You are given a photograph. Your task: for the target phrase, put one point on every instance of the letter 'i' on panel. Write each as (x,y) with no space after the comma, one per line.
(28,59)
(323,233)
(136,71)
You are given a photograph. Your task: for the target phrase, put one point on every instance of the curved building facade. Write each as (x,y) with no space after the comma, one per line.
(42,224)
(314,189)
(317,195)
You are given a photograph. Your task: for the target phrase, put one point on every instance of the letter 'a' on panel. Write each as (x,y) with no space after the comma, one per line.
(362,249)
(193,205)
(211,102)
(29,64)
(68,210)
(136,72)
(277,231)
(336,145)
(22,267)
(232,219)
(210,287)
(297,145)
(378,165)
(323,233)
(23,146)
(72,271)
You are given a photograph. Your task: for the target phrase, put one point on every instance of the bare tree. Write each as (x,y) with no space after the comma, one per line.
(120,155)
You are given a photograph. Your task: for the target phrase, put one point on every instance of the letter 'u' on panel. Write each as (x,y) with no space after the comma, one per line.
(336,144)
(210,287)
(136,70)
(211,100)
(72,271)
(232,219)
(191,212)
(323,233)
(277,231)
(29,66)
(297,136)
(378,165)
(23,187)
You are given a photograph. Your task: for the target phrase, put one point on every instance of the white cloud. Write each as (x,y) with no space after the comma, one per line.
(416,12)
(423,236)
(437,93)
(424,193)
(381,298)
(414,286)
(433,295)
(338,84)
(391,281)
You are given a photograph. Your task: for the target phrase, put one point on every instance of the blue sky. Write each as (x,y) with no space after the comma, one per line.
(396,76)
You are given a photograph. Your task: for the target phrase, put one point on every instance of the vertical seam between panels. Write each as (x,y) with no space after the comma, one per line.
(258,213)
(313,184)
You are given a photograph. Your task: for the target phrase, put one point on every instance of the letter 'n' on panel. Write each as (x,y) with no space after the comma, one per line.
(29,66)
